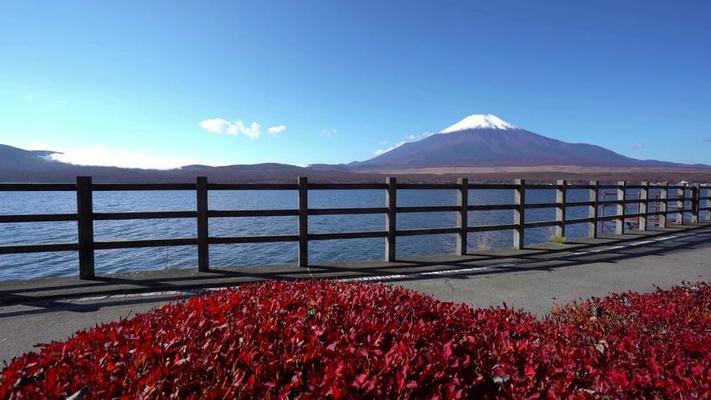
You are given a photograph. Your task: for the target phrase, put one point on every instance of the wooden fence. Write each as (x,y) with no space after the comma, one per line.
(85,216)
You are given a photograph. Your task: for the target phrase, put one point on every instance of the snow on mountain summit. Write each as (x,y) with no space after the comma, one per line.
(480,121)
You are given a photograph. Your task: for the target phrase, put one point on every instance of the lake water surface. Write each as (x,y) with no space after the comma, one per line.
(25,266)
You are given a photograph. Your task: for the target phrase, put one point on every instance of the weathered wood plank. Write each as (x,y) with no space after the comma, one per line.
(347,235)
(391,219)
(541,224)
(489,228)
(427,186)
(303,222)
(427,209)
(593,208)
(253,239)
(560,199)
(144,215)
(347,186)
(519,214)
(85,227)
(203,231)
(131,244)
(252,186)
(643,206)
(462,215)
(426,231)
(37,187)
(38,248)
(37,218)
(251,213)
(491,186)
(99,187)
(348,211)
(541,205)
(492,207)
(620,223)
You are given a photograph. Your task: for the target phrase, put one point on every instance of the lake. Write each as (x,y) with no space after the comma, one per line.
(25,266)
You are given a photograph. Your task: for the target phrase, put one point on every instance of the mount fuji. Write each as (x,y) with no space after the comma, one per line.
(485,140)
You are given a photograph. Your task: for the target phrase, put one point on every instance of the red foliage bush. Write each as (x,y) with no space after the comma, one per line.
(343,340)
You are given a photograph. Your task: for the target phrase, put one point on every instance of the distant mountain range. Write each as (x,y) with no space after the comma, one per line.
(476,142)
(18,165)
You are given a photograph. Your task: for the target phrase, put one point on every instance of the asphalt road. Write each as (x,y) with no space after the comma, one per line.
(532,283)
(561,281)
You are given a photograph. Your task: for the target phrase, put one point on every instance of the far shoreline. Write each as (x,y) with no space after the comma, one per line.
(532,174)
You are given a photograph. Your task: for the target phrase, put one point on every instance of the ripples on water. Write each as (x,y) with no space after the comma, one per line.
(25,266)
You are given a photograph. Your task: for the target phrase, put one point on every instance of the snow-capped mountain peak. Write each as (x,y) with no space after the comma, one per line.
(480,121)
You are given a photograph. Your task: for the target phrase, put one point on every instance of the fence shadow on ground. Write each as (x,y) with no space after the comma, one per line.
(110,291)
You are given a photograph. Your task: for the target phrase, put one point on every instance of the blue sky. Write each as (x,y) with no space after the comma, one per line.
(131,83)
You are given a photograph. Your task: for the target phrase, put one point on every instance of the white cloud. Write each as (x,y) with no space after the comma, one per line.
(102,156)
(383,151)
(409,138)
(216,125)
(224,127)
(638,146)
(329,132)
(276,129)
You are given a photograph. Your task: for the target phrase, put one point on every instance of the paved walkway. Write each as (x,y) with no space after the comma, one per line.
(39,311)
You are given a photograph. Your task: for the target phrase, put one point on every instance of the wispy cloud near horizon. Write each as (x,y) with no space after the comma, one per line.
(408,139)
(102,156)
(329,132)
(385,150)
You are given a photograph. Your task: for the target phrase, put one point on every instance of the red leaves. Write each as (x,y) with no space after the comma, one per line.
(341,340)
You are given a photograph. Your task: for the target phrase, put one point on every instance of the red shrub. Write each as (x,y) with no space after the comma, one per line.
(342,340)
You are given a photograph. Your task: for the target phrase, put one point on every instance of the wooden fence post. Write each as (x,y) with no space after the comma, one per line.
(681,196)
(463,216)
(203,231)
(643,205)
(663,204)
(695,203)
(593,209)
(519,213)
(561,200)
(303,222)
(85,227)
(620,221)
(391,219)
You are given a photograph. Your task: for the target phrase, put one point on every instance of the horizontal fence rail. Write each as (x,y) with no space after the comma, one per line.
(671,200)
